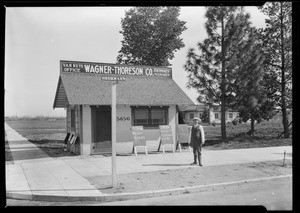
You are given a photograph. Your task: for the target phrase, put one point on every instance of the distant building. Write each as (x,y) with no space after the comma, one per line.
(189,112)
(215,115)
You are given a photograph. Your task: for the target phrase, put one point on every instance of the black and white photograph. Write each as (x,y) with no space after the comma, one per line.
(149,105)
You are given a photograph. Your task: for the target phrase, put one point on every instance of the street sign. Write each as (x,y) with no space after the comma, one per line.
(113,78)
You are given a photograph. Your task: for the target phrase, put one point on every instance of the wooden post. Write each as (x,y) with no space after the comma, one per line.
(284,158)
(113,131)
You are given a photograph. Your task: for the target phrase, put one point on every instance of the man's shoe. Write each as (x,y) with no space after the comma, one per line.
(200,164)
(194,163)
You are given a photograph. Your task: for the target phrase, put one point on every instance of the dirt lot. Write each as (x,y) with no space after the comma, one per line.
(192,176)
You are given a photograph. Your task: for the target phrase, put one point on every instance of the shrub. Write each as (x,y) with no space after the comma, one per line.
(235,122)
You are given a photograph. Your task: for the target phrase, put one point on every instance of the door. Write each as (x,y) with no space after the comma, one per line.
(101,125)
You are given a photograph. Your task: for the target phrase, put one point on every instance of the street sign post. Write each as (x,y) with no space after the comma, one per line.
(113,128)
(115,80)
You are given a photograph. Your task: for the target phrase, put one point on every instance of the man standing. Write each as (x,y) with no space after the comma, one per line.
(197,140)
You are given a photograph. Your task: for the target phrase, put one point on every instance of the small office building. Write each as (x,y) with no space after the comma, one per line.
(146,96)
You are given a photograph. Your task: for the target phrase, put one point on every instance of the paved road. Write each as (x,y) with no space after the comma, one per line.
(273,195)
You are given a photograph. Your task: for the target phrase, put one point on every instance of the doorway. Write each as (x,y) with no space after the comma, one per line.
(101,129)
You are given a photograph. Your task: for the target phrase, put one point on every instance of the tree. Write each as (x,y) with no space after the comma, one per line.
(213,71)
(205,116)
(254,97)
(278,39)
(151,36)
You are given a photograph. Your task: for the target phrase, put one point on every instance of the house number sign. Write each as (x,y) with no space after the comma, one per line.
(123,118)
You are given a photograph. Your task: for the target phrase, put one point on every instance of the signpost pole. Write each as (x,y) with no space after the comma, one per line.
(113,128)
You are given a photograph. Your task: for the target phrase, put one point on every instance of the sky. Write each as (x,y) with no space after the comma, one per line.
(37,38)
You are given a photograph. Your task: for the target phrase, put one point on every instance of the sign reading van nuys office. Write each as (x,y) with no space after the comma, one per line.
(114,69)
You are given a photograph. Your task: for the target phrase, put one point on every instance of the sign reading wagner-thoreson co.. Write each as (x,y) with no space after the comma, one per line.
(114,69)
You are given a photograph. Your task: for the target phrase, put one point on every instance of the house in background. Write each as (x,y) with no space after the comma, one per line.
(208,114)
(188,112)
(215,115)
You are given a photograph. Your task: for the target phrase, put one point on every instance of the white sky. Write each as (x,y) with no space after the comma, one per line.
(36,39)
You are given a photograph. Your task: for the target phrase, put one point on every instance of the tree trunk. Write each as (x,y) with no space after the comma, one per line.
(223,98)
(252,126)
(285,121)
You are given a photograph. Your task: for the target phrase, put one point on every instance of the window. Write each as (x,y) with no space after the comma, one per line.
(149,116)
(201,115)
(230,115)
(217,115)
(141,117)
(191,115)
(158,116)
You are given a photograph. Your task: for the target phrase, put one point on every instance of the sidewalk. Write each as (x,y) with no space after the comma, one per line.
(36,176)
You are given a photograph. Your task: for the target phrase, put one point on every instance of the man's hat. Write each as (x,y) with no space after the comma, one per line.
(197,119)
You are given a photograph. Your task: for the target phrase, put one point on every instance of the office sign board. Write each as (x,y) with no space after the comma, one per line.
(114,69)
(138,136)
(184,132)
(166,134)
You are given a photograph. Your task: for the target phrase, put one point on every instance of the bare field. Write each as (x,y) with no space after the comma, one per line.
(47,134)
(37,130)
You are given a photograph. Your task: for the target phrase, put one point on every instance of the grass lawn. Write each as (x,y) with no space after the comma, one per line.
(265,135)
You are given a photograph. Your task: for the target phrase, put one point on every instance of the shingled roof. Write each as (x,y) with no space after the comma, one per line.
(90,89)
(192,108)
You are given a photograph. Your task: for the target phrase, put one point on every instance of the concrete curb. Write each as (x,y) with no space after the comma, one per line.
(138,195)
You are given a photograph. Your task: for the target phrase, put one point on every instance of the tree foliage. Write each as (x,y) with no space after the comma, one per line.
(277,37)
(214,71)
(254,97)
(151,35)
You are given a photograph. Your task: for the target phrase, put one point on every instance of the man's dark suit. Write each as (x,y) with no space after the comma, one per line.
(196,143)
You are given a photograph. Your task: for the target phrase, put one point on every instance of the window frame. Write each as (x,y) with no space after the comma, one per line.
(192,115)
(201,115)
(150,125)
(216,115)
